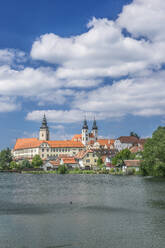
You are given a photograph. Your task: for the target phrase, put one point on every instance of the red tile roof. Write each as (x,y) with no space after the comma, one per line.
(34,143)
(107,142)
(128,139)
(132,163)
(27,143)
(68,160)
(82,154)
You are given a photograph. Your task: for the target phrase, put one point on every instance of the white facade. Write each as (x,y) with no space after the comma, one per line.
(121,146)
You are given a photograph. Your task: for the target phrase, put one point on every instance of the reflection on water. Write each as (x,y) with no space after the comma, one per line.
(106,211)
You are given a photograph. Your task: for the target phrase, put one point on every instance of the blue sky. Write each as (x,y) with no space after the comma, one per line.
(74,58)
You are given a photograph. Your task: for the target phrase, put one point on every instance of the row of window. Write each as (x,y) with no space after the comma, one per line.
(59,149)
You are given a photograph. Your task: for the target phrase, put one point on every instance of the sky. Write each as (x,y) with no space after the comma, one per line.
(71,59)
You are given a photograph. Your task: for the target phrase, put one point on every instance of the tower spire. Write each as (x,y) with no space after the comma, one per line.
(44,130)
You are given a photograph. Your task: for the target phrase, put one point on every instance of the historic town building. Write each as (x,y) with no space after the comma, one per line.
(27,148)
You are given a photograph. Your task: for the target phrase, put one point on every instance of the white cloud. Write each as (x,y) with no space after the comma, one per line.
(142,96)
(10,56)
(84,61)
(144,18)
(8,104)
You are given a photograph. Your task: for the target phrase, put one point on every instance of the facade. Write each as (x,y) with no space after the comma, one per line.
(87,158)
(86,136)
(124,142)
(27,148)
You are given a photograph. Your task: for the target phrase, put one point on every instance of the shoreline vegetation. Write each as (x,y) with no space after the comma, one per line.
(73,171)
(152,161)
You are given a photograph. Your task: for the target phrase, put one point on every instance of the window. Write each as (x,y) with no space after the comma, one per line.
(88,161)
(47,150)
(95,160)
(42,155)
(42,149)
(88,155)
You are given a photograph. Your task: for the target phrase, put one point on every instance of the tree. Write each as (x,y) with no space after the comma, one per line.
(100,162)
(154,154)
(25,164)
(37,161)
(62,169)
(5,158)
(121,156)
(134,135)
(13,165)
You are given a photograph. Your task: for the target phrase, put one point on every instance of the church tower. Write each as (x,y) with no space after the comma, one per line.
(95,130)
(85,134)
(44,130)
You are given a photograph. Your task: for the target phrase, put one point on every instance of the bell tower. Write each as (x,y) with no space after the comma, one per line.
(95,130)
(44,130)
(85,134)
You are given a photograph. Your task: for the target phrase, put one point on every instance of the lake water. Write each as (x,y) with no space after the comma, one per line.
(106,211)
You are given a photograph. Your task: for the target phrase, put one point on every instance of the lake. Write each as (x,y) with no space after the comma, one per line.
(81,211)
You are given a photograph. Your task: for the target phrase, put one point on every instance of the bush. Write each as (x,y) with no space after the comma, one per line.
(62,169)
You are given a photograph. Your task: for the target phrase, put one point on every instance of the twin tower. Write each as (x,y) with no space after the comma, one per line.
(87,137)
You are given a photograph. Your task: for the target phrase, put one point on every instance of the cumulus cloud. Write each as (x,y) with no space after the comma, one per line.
(143,96)
(147,19)
(83,62)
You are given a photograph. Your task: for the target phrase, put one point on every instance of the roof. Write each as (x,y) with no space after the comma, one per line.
(55,163)
(82,154)
(68,160)
(106,142)
(34,143)
(27,143)
(132,163)
(128,139)
(137,148)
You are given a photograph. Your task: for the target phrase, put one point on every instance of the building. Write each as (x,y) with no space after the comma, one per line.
(87,137)
(87,159)
(124,142)
(27,148)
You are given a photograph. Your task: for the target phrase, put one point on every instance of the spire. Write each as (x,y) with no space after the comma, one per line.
(44,122)
(85,126)
(94,127)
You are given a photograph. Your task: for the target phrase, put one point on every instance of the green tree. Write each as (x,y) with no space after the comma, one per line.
(62,169)
(121,156)
(37,161)
(5,158)
(134,135)
(100,162)
(154,154)
(13,165)
(25,164)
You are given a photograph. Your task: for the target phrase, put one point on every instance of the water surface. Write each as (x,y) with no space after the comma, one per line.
(81,211)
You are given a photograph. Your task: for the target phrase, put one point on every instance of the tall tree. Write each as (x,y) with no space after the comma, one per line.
(5,158)
(154,154)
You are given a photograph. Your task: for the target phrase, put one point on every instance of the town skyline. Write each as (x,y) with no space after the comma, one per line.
(73,59)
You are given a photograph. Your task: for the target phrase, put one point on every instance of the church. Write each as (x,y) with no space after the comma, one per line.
(27,148)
